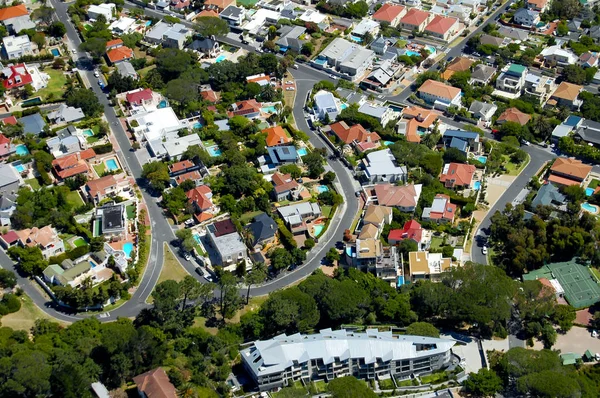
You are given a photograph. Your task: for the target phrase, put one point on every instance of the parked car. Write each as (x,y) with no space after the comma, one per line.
(187,256)
(199,271)
(96,73)
(484,250)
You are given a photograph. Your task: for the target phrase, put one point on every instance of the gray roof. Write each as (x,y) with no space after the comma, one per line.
(594,32)
(383,163)
(483,72)
(589,131)
(33,124)
(162,29)
(325,100)
(280,352)
(562,130)
(373,110)
(223,125)
(126,69)
(206,43)
(513,33)
(364,26)
(346,53)
(480,107)
(228,244)
(299,209)
(289,36)
(263,228)
(68,113)
(548,195)
(232,12)
(491,40)
(279,154)
(352,97)
(459,144)
(17,24)
(525,13)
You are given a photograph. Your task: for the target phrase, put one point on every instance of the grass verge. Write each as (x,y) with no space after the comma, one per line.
(24,319)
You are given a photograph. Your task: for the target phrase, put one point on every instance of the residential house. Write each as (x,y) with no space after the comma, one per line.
(15,76)
(457,175)
(155,383)
(482,74)
(170,145)
(366,26)
(315,17)
(411,230)
(381,44)
(415,20)
(402,197)
(383,114)
(125,69)
(349,59)
(276,135)
(200,198)
(526,18)
(369,254)
(262,231)
(207,94)
(443,28)
(107,10)
(574,25)
(95,191)
(229,247)
(195,176)
(377,215)
(464,141)
(218,5)
(512,79)
(341,24)
(282,154)
(168,35)
(381,166)
(65,142)
(594,32)
(549,195)
(285,187)
(32,124)
(573,124)
(247,108)
(297,215)
(119,54)
(424,265)
(539,86)
(415,122)
(355,135)
(489,40)
(66,114)
(72,274)
(569,171)
(390,13)
(141,97)
(441,210)
(588,59)
(458,64)
(182,167)
(180,4)
(537,5)
(9,179)
(586,130)
(8,205)
(10,13)
(440,95)
(112,219)
(513,115)
(483,110)
(233,15)
(9,239)
(72,164)
(208,46)
(45,238)
(558,55)
(290,38)
(17,46)
(460,12)
(566,95)
(382,74)
(326,106)
(514,33)
(123,26)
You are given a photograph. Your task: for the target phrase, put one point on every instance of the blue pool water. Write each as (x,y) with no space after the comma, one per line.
(196,238)
(269,109)
(93,264)
(88,132)
(22,150)
(322,188)
(477,185)
(318,229)
(387,143)
(400,280)
(19,167)
(162,104)
(197,125)
(320,61)
(411,53)
(356,39)
(111,165)
(302,152)
(214,151)
(589,208)
(148,23)
(482,159)
(127,249)
(55,52)
(589,191)
(220,58)
(343,106)
(431,49)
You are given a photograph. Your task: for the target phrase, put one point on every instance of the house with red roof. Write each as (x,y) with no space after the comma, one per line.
(5,147)
(276,135)
(415,19)
(444,28)
(9,239)
(10,120)
(13,12)
(285,187)
(210,96)
(412,230)
(247,108)
(513,115)
(15,76)
(143,97)
(104,187)
(200,199)
(355,135)
(193,176)
(402,197)
(441,210)
(180,4)
(416,121)
(390,13)
(116,43)
(71,165)
(457,175)
(119,54)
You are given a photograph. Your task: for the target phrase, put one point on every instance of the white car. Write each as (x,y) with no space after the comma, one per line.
(74,51)
(187,256)
(96,73)
(290,89)
(484,250)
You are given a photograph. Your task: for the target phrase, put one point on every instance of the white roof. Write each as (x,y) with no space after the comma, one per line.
(382,163)
(156,122)
(299,209)
(365,25)
(312,16)
(122,24)
(259,19)
(15,43)
(557,50)
(325,100)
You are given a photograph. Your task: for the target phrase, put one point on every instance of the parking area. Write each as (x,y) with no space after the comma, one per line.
(576,340)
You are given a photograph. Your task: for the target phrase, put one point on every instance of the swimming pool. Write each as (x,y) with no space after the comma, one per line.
(196,238)
(482,159)
(356,39)
(589,191)
(387,143)
(431,50)
(477,185)
(197,125)
(162,104)
(302,152)
(93,264)
(32,101)
(88,132)
(221,58)
(214,151)
(19,167)
(55,52)
(318,230)
(320,61)
(589,208)
(22,150)
(111,165)
(411,53)
(127,249)
(269,109)
(343,106)
(322,188)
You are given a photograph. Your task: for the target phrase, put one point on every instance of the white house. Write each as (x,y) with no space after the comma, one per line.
(525,17)
(559,55)
(440,95)
(325,104)
(384,114)
(17,46)
(108,10)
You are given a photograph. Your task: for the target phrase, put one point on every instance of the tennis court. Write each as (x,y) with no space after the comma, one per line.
(580,286)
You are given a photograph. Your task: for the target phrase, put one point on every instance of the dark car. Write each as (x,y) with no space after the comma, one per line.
(199,271)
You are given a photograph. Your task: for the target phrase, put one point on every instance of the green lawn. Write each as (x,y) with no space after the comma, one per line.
(436,242)
(247,3)
(326,211)
(246,217)
(434,378)
(33,183)
(144,71)
(74,199)
(387,384)
(594,183)
(513,169)
(92,140)
(79,242)
(130,212)
(56,85)
(100,169)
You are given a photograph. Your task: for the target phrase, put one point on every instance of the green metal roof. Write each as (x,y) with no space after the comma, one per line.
(543,272)
(570,358)
(517,69)
(77,270)
(588,354)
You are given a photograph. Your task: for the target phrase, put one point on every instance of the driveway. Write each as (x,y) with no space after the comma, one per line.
(576,340)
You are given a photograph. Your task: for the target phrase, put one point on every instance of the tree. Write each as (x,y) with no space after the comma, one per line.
(307,49)
(39,39)
(122,83)
(484,383)
(157,173)
(280,258)
(314,162)
(289,311)
(548,336)
(97,244)
(454,155)
(268,63)
(57,29)
(292,169)
(565,9)
(422,329)
(172,62)
(185,236)
(211,26)
(96,46)
(131,40)
(229,298)
(30,259)
(574,74)
(429,75)
(8,279)
(349,387)
(179,91)
(328,178)
(86,100)
(332,255)
(257,275)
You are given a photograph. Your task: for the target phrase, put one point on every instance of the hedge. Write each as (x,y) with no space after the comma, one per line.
(105,148)
(285,235)
(70,255)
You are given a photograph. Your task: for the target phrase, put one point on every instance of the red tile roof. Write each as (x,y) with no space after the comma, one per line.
(4,139)
(388,12)
(458,175)
(439,89)
(572,168)
(394,195)
(114,43)
(10,237)
(19,77)
(155,384)
(411,230)
(224,227)
(87,154)
(415,17)
(100,185)
(179,4)
(283,182)
(441,25)
(209,95)
(276,135)
(209,13)
(181,166)
(70,165)
(354,133)
(245,107)
(199,196)
(138,97)
(514,115)
(119,54)
(10,120)
(12,12)
(191,175)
